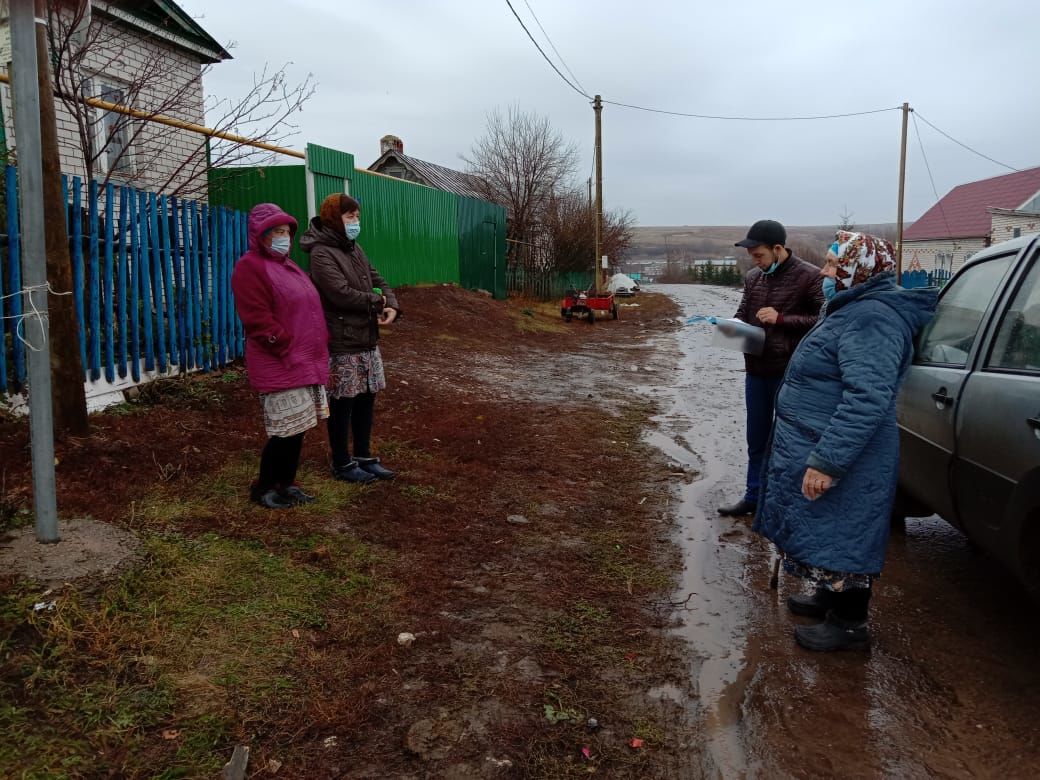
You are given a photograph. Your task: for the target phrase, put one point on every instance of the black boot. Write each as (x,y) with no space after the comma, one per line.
(373,467)
(297,496)
(269,498)
(740,509)
(814,606)
(834,633)
(352,472)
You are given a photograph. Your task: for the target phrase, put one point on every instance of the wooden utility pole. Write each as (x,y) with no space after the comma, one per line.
(67,390)
(902,188)
(597,106)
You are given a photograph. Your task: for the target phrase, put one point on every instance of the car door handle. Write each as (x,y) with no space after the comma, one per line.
(941,399)
(1034,423)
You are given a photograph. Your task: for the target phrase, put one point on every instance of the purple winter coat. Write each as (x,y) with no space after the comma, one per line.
(286,337)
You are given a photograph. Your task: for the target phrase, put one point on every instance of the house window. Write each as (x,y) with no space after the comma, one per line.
(1016,232)
(111,131)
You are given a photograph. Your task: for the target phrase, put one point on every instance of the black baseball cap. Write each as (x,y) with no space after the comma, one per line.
(765,231)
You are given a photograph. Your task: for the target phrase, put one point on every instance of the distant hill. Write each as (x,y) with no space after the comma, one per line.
(652,243)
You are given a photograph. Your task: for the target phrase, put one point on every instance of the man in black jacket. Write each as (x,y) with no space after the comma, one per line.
(783,295)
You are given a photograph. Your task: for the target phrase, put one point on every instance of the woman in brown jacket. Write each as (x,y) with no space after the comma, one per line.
(356,301)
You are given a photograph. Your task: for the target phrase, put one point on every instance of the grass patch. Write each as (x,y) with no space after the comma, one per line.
(228,491)
(578,631)
(621,568)
(159,674)
(397,451)
(536,317)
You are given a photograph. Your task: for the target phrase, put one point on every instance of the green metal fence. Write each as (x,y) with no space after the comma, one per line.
(482,246)
(413,234)
(409,232)
(243,188)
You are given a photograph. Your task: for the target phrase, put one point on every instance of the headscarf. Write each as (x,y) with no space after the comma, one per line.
(859,257)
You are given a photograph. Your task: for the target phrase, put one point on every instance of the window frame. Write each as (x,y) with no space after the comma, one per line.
(1028,265)
(995,305)
(96,86)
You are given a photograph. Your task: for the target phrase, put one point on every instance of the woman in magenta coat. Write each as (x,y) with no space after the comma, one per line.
(287,355)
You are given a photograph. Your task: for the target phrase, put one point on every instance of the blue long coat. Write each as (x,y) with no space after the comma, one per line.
(836,412)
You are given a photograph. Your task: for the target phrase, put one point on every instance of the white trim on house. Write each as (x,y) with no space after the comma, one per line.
(156,30)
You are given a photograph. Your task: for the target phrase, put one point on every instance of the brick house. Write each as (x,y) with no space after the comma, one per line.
(971,217)
(150,55)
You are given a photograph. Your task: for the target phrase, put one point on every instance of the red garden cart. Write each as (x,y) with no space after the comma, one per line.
(588,303)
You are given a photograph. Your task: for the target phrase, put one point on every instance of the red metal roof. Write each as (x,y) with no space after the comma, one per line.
(965,206)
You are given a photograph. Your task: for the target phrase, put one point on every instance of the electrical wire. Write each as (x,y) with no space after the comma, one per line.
(557,51)
(965,146)
(938,200)
(754,118)
(551,63)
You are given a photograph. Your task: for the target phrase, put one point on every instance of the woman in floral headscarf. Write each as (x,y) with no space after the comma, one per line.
(830,478)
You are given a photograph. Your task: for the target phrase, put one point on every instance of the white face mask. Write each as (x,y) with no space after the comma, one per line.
(353,230)
(280,245)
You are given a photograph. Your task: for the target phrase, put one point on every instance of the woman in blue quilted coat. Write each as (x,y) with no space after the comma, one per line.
(830,478)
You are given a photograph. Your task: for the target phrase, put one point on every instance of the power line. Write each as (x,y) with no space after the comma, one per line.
(753,118)
(560,56)
(964,145)
(551,63)
(938,200)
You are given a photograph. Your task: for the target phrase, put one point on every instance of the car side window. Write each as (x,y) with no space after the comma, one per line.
(947,340)
(1017,346)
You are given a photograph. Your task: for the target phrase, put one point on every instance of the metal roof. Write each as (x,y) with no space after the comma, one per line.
(433,175)
(963,212)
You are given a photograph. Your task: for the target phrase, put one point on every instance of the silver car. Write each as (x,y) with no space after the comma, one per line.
(969,411)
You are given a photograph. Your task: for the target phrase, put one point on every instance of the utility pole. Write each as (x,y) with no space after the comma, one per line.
(902,188)
(597,106)
(68,396)
(26,104)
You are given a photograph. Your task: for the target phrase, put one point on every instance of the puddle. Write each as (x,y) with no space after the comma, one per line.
(699,429)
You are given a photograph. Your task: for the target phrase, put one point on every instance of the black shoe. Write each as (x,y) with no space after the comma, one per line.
(834,634)
(814,606)
(373,467)
(297,496)
(270,499)
(740,509)
(352,472)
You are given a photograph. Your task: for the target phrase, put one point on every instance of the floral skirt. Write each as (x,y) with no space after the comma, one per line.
(835,581)
(354,374)
(289,412)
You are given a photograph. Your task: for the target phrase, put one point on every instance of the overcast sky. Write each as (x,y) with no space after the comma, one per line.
(429,71)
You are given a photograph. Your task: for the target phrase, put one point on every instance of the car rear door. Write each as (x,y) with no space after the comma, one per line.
(946,350)
(998,421)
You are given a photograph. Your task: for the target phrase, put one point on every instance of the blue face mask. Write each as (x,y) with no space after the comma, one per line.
(773,267)
(353,230)
(280,245)
(830,287)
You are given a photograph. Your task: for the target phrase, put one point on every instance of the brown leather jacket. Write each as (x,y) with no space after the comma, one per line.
(795,291)
(345,279)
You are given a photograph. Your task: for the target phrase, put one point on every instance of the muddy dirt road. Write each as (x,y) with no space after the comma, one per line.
(951,687)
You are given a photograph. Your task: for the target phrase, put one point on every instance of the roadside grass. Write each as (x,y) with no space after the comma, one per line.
(227,491)
(171,664)
(530,316)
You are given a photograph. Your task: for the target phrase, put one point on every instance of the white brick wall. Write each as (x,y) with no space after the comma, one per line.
(1004,225)
(926,252)
(158,151)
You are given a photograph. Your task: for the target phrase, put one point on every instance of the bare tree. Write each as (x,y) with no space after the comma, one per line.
(568,224)
(846,219)
(521,163)
(84,46)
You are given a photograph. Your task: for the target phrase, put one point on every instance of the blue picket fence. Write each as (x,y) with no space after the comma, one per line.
(937,278)
(151,279)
